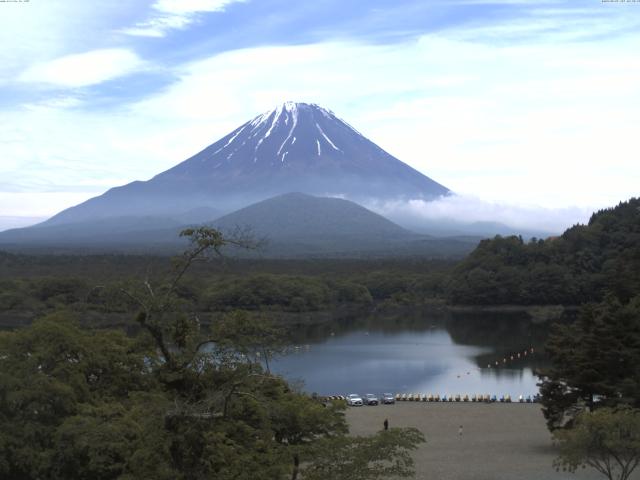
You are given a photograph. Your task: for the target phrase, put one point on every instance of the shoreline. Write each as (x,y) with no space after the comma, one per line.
(337,313)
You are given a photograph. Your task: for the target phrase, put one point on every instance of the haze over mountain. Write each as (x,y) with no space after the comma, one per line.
(296,224)
(294,147)
(293,225)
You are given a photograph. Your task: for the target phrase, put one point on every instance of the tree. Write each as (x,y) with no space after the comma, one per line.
(380,456)
(252,336)
(68,400)
(595,361)
(607,440)
(177,334)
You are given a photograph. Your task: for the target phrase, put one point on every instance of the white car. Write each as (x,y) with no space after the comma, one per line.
(354,400)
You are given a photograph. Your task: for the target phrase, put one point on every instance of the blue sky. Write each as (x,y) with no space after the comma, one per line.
(516,105)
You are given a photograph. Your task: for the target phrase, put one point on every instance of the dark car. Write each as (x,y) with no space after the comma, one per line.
(371,399)
(388,398)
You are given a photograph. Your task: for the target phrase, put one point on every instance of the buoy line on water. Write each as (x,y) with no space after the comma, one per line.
(514,356)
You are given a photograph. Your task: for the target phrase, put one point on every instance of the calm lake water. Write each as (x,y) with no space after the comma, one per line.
(417,353)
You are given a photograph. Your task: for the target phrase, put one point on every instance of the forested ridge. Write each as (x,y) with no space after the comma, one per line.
(581,265)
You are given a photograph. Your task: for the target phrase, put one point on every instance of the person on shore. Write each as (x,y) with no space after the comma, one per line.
(460,431)
(386,424)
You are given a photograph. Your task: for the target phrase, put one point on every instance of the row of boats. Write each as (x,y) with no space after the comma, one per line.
(417,397)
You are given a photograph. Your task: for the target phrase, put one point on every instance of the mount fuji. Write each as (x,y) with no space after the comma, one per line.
(296,147)
(247,178)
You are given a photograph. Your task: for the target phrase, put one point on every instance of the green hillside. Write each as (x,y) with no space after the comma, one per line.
(299,225)
(300,216)
(580,266)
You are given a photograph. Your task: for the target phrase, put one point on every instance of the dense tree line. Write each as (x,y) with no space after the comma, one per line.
(595,361)
(580,266)
(38,295)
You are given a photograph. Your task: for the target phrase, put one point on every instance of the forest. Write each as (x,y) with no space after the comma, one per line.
(582,265)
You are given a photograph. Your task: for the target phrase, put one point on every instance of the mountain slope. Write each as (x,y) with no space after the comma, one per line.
(295,147)
(108,232)
(295,225)
(299,225)
(296,215)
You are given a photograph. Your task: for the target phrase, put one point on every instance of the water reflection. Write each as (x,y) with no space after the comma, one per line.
(418,352)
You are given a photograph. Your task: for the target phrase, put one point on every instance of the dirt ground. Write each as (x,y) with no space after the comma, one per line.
(498,441)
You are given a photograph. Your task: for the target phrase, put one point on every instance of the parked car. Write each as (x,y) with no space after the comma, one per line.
(388,398)
(354,400)
(371,399)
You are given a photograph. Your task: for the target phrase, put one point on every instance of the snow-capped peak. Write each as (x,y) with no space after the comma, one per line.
(292,132)
(291,108)
(286,114)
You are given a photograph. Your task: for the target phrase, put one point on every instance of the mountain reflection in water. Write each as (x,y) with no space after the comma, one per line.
(417,353)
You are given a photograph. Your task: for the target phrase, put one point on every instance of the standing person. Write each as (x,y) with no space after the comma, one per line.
(386,424)
(460,431)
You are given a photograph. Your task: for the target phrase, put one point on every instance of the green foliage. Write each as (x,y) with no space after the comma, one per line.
(607,440)
(55,378)
(93,285)
(595,358)
(62,290)
(582,265)
(96,405)
(384,455)
(255,338)
(268,292)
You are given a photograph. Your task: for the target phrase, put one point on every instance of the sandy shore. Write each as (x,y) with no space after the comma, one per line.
(498,441)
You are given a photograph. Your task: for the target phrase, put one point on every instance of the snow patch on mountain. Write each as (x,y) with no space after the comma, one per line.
(327,138)
(233,137)
(294,116)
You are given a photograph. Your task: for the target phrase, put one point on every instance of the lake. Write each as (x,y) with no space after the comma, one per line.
(419,352)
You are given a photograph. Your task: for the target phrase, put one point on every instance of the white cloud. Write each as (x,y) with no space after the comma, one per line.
(84,69)
(456,209)
(175,15)
(37,32)
(525,124)
(184,7)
